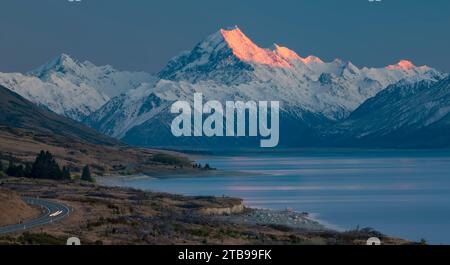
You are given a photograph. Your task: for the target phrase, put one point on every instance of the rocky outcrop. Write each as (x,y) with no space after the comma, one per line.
(238,208)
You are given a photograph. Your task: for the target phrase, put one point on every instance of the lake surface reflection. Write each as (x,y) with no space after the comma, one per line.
(400,193)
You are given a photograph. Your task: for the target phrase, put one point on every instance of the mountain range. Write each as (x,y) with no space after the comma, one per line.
(71,88)
(322,103)
(406,114)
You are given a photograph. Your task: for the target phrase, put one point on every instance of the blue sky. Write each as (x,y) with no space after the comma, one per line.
(144,35)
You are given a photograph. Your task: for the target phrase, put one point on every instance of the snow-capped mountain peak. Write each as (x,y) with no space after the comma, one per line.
(72,88)
(312,59)
(408,66)
(402,65)
(61,63)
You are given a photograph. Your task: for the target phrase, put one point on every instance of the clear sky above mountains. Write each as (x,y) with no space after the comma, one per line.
(144,35)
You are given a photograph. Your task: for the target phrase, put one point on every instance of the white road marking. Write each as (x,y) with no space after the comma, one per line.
(56,213)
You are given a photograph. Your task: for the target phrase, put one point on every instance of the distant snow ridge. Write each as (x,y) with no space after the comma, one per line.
(227,65)
(71,88)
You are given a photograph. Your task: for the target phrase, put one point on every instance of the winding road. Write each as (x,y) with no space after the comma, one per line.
(53,212)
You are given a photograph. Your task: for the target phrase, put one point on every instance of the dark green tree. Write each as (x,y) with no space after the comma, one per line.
(66,173)
(11,168)
(20,171)
(15,171)
(28,169)
(45,167)
(86,175)
(1,166)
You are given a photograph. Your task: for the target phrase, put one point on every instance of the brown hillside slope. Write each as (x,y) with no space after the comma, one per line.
(13,210)
(25,129)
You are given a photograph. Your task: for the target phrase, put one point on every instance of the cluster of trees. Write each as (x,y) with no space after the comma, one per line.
(17,171)
(199,166)
(44,167)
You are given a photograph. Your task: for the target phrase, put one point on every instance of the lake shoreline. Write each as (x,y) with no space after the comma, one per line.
(399,192)
(118,216)
(252,215)
(287,217)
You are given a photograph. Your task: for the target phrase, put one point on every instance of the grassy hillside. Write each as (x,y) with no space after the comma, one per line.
(25,129)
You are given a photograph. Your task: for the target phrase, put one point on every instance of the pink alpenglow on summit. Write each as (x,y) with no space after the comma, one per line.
(290,55)
(247,51)
(312,59)
(402,65)
(286,53)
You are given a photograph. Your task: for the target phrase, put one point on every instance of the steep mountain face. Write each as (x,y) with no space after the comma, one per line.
(127,111)
(407,114)
(227,65)
(71,88)
(19,113)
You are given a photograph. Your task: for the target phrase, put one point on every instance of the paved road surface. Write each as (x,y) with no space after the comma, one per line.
(53,212)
